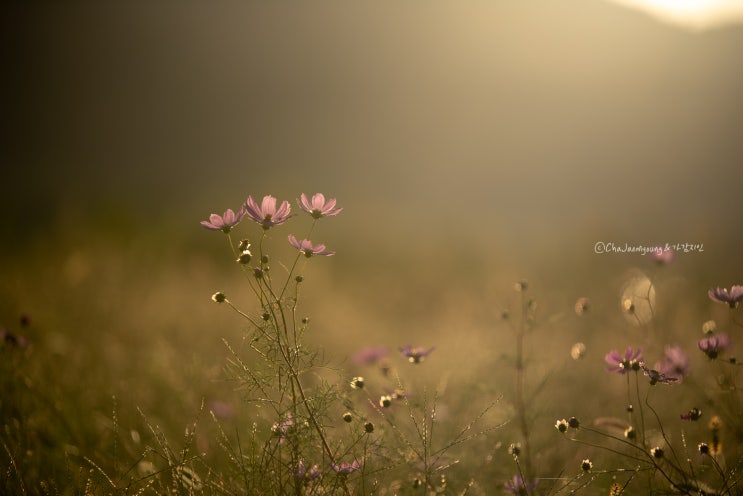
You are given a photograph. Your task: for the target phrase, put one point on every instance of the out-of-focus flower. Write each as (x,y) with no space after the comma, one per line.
(722,295)
(582,305)
(663,256)
(656,376)
(282,429)
(517,485)
(415,354)
(561,425)
(318,207)
(221,409)
(346,468)
(709,327)
(694,414)
(224,222)
(303,473)
(578,351)
(675,362)
(306,247)
(12,340)
(623,364)
(370,355)
(267,215)
(714,344)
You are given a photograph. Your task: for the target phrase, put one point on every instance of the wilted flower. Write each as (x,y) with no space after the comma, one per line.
(219,297)
(346,468)
(722,295)
(517,485)
(656,377)
(224,222)
(385,401)
(415,355)
(357,382)
(267,215)
(714,344)
(515,449)
(347,417)
(306,247)
(623,364)
(675,362)
(318,207)
(586,465)
(368,427)
(693,414)
(657,452)
(703,448)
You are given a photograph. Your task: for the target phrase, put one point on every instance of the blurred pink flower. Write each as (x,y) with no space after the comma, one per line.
(713,345)
(415,355)
(267,214)
(663,256)
(623,364)
(675,362)
(306,247)
(318,207)
(370,355)
(517,485)
(722,295)
(224,222)
(346,468)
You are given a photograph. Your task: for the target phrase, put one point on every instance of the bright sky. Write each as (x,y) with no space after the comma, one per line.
(693,14)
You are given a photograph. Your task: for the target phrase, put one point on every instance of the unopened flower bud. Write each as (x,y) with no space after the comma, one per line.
(574,423)
(258,273)
(244,245)
(299,278)
(218,297)
(369,427)
(266,316)
(347,417)
(244,257)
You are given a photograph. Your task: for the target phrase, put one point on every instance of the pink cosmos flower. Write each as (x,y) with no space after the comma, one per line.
(370,355)
(306,247)
(346,468)
(623,364)
(663,256)
(225,222)
(267,214)
(318,207)
(722,295)
(713,345)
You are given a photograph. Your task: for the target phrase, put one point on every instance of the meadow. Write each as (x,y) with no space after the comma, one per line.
(237,360)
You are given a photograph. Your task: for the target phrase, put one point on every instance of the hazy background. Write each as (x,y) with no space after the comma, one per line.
(470,143)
